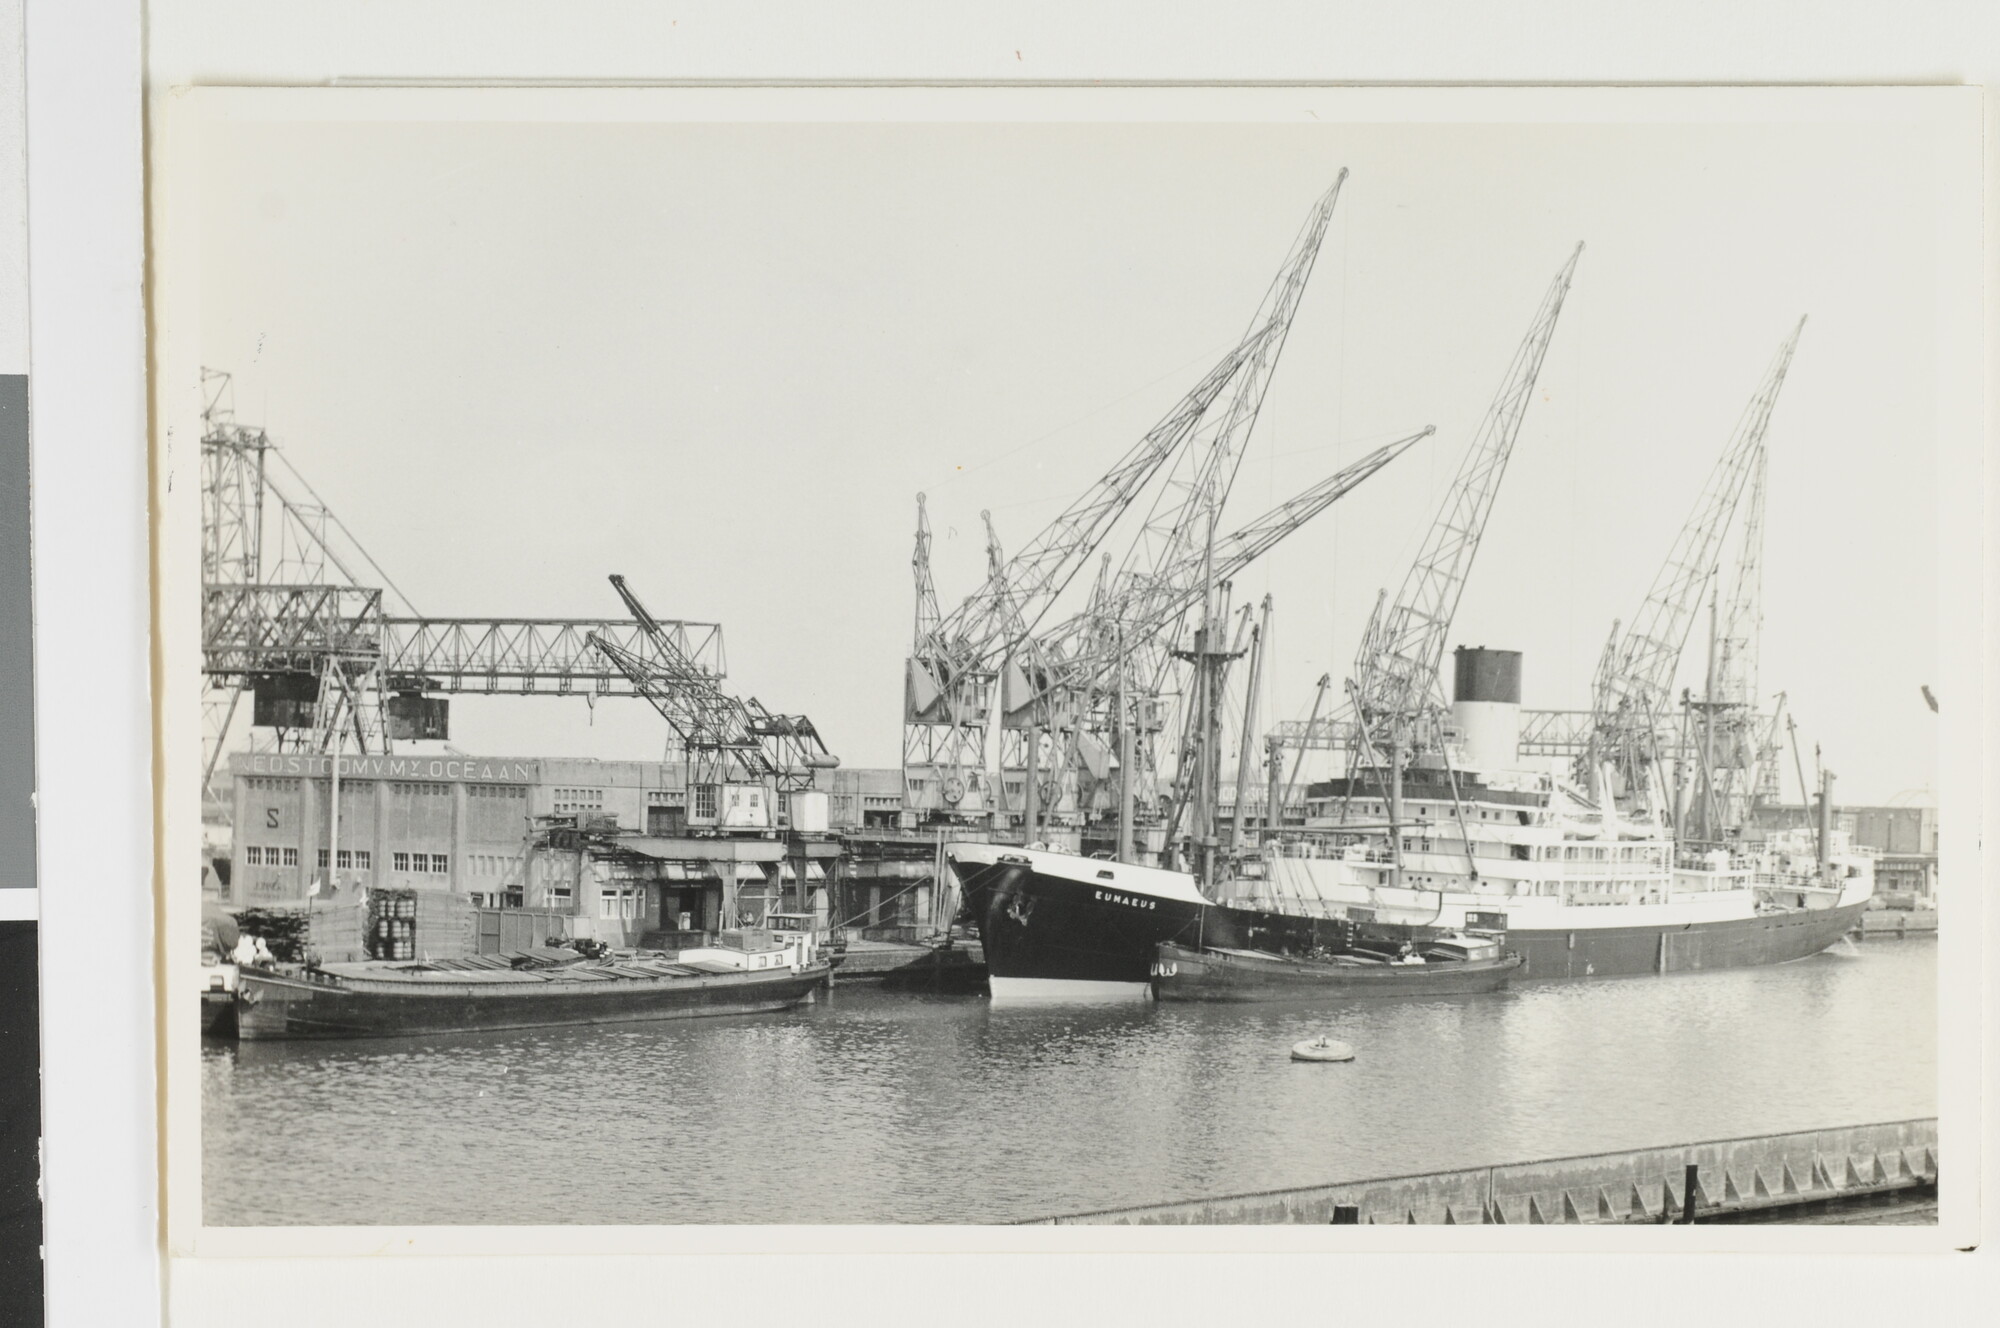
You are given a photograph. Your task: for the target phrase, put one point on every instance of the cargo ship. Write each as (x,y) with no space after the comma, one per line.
(1580,889)
(1475,845)
(750,971)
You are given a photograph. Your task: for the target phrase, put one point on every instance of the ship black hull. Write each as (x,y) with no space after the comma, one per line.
(1050,936)
(272,1005)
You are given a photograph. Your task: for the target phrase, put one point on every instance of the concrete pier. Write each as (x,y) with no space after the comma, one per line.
(1766,1178)
(1898,922)
(923,965)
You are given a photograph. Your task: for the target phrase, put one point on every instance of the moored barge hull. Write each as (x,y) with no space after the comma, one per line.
(275,1006)
(1187,974)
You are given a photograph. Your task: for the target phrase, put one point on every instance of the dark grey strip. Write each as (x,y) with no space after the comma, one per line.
(17,658)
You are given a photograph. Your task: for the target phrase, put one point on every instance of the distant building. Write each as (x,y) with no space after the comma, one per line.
(1904,837)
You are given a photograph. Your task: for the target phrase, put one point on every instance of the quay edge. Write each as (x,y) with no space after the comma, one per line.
(1759,1178)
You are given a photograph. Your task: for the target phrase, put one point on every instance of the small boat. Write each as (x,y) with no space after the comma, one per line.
(750,971)
(219,936)
(1321,1048)
(1454,964)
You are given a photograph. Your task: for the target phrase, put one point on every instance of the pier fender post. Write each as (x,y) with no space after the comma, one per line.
(1410,1217)
(1691,1194)
(1791,1182)
(1450,1218)
(1605,1213)
(1731,1196)
(1570,1215)
(1821,1180)
(1855,1181)
(1637,1210)
(1535,1218)
(1759,1188)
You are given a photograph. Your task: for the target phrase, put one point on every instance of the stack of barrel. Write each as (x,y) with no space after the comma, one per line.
(392,924)
(283,931)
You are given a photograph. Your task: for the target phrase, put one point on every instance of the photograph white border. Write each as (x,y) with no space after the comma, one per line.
(1953,114)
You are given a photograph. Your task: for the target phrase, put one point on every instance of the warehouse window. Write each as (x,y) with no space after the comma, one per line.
(440,864)
(322,859)
(578,800)
(704,801)
(253,856)
(400,861)
(291,857)
(361,859)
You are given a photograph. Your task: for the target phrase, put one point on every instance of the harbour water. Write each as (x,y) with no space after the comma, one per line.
(877,1106)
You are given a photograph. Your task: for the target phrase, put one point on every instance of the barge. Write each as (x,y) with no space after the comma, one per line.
(1451,967)
(749,972)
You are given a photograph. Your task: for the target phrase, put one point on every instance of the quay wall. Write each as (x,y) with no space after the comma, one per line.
(1733,1178)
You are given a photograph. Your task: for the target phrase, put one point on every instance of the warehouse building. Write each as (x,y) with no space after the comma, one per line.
(620,851)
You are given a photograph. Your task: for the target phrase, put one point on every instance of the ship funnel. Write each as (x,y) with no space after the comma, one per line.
(1486,707)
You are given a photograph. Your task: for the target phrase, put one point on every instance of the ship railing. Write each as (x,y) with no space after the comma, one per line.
(1794,881)
(1609,871)
(1700,863)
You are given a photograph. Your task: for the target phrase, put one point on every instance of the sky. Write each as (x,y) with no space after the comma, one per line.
(723,360)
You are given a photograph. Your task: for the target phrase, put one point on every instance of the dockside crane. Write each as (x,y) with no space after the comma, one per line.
(951,676)
(1395,684)
(1736,748)
(1167,558)
(1393,693)
(1103,653)
(1634,679)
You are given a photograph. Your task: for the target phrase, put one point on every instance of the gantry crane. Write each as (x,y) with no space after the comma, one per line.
(312,637)
(956,660)
(728,740)
(1634,677)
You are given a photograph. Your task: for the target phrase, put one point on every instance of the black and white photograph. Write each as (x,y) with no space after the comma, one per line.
(787,658)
